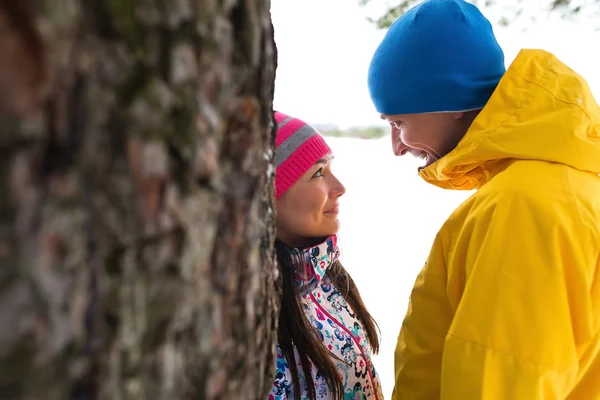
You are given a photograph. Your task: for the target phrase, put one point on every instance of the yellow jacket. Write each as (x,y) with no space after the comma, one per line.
(508,305)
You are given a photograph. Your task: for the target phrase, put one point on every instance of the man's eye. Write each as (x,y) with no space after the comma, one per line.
(319,173)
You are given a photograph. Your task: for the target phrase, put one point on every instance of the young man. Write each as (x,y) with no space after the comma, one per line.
(508,303)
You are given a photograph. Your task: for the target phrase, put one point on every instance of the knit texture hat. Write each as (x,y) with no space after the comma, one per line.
(297,147)
(440,56)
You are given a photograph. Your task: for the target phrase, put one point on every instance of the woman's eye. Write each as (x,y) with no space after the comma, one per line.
(319,173)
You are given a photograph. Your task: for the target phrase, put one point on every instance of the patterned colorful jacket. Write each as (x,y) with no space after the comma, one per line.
(337,326)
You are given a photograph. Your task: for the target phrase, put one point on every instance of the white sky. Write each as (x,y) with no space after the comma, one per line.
(325,47)
(389,216)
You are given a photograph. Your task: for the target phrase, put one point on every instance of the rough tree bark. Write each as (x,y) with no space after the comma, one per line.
(136,223)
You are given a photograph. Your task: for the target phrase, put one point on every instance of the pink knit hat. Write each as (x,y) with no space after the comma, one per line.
(297,147)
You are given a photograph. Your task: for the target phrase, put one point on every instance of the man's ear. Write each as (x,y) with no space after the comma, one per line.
(459,115)
(467,116)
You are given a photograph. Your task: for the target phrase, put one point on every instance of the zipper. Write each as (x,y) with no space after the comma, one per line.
(367,360)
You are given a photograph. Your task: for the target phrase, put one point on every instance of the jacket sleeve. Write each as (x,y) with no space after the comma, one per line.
(526,305)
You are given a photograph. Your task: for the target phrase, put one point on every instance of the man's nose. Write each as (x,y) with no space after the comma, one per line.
(398,146)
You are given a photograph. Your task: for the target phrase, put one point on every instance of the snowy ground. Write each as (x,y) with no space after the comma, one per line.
(389,217)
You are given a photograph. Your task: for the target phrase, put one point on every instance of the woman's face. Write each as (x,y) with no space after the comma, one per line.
(308,211)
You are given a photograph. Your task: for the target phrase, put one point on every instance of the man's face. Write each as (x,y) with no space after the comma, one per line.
(428,136)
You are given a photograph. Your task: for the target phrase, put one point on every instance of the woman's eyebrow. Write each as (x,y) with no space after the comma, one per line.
(322,161)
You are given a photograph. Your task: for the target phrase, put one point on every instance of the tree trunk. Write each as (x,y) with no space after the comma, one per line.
(136,222)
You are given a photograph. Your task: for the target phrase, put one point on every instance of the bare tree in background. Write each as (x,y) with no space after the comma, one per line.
(506,12)
(136,228)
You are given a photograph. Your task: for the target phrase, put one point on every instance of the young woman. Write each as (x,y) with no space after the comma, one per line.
(326,335)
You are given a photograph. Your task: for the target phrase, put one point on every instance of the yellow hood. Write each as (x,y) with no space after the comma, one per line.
(541,110)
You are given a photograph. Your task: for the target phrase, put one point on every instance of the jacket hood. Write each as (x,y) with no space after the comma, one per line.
(541,110)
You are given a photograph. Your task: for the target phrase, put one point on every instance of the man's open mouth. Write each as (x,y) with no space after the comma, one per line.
(427,158)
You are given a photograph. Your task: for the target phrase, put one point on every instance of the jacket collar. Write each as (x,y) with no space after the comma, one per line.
(541,110)
(311,263)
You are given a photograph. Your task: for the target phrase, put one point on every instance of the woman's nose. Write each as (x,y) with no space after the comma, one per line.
(337,188)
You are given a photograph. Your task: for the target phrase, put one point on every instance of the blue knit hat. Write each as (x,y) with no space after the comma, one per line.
(440,56)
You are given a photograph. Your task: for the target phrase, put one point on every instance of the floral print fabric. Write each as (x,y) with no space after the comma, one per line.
(337,326)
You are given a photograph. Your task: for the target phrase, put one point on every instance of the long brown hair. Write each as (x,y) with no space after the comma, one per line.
(295,328)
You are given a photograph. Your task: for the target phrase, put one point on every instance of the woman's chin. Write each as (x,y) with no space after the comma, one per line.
(332,228)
